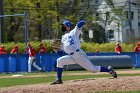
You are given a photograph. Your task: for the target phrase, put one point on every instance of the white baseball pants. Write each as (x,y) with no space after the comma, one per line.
(80,58)
(30,63)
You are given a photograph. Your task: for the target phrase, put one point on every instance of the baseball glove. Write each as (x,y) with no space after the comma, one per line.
(55,45)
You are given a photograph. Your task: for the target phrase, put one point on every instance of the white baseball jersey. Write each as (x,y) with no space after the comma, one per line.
(70,41)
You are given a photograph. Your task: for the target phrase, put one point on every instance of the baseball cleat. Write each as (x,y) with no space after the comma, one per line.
(57,82)
(112,72)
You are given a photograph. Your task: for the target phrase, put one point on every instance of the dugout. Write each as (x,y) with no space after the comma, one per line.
(116,61)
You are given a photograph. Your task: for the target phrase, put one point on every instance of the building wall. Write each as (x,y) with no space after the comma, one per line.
(135,22)
(111,24)
(121,32)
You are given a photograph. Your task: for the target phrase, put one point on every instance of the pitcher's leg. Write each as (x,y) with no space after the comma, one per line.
(82,59)
(86,63)
(65,60)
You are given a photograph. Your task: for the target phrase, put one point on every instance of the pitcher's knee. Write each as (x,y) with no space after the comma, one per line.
(59,63)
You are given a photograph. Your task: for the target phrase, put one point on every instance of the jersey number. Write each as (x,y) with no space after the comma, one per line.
(71,41)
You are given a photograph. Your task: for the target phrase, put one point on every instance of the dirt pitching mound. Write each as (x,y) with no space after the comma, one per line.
(80,86)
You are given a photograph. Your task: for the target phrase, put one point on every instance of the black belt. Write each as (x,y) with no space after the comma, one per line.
(73,52)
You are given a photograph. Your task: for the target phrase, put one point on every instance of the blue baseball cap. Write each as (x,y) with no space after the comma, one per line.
(67,23)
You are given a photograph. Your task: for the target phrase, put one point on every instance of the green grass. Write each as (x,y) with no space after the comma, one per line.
(23,81)
(7,82)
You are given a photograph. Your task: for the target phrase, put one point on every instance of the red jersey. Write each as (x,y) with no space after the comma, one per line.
(42,50)
(31,52)
(137,49)
(3,51)
(118,49)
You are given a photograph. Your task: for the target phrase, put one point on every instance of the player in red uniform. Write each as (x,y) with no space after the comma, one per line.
(14,50)
(32,58)
(42,49)
(137,47)
(118,48)
(3,50)
(12,64)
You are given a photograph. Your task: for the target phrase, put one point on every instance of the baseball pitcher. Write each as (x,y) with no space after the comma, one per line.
(70,44)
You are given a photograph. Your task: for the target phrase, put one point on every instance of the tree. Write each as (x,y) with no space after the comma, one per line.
(44,17)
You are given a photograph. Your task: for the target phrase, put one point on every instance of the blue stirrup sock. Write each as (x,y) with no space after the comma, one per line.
(59,73)
(103,69)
